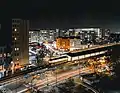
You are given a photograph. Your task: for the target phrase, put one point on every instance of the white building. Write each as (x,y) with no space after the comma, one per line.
(75,43)
(89,33)
(42,35)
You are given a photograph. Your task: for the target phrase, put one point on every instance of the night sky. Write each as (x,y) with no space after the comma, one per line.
(60,14)
(65,13)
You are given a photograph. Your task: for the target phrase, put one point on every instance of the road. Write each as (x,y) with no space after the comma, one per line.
(17,83)
(60,77)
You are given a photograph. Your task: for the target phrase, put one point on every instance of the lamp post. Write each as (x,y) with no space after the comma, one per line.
(56,76)
(32,82)
(16,85)
(56,79)
(13,67)
(47,80)
(46,76)
(79,66)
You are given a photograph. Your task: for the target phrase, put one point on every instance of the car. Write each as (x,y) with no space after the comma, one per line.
(23,68)
(31,67)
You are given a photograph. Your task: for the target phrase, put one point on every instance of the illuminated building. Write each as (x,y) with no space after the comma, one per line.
(105,33)
(68,43)
(62,33)
(75,43)
(63,43)
(90,33)
(20,41)
(5,60)
(115,36)
(86,34)
(2,57)
(34,36)
(42,35)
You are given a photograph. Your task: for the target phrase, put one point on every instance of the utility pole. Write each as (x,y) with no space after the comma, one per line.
(32,84)
(47,80)
(79,66)
(56,79)
(46,76)
(56,76)
(16,85)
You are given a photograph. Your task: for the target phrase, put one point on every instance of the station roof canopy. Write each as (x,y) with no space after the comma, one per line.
(79,53)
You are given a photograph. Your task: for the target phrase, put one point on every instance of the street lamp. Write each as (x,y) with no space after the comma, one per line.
(47,80)
(79,65)
(79,68)
(16,85)
(56,75)
(32,82)
(46,76)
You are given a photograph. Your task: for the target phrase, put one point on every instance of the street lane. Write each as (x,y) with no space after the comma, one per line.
(60,77)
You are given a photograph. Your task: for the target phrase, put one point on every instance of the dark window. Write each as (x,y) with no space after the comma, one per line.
(17,54)
(13,34)
(13,39)
(18,21)
(0,51)
(12,29)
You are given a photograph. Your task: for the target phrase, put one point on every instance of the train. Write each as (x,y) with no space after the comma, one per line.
(66,58)
(58,60)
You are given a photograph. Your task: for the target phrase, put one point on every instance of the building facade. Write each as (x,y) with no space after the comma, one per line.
(63,43)
(42,35)
(20,41)
(115,37)
(75,43)
(83,33)
(2,57)
(5,60)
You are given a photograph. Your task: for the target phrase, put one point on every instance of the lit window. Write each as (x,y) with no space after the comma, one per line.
(4,55)
(15,38)
(50,36)
(15,49)
(8,54)
(57,30)
(15,29)
(51,33)
(30,32)
(0,55)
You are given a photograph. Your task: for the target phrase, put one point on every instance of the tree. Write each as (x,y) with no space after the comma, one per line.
(50,53)
(70,82)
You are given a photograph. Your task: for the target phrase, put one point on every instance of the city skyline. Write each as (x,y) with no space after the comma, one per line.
(59,46)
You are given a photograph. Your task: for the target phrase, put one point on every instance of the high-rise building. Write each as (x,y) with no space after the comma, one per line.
(115,37)
(20,41)
(42,35)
